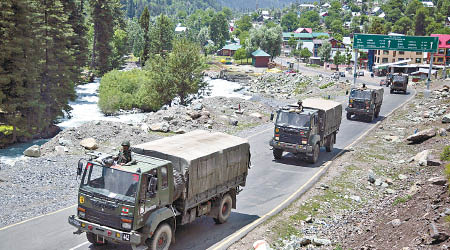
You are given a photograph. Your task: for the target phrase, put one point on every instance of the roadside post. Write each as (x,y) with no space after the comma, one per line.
(354,67)
(429,72)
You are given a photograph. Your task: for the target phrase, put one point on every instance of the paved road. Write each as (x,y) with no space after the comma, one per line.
(269,183)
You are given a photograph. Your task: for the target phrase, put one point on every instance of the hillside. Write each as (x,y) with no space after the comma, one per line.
(168,7)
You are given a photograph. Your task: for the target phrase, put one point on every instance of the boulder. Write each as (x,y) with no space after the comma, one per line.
(396,222)
(233,122)
(33,151)
(371,177)
(421,136)
(446,118)
(145,128)
(168,117)
(321,242)
(442,132)
(197,106)
(205,113)
(440,181)
(402,177)
(60,150)
(180,131)
(64,142)
(437,235)
(160,127)
(422,157)
(89,143)
(193,114)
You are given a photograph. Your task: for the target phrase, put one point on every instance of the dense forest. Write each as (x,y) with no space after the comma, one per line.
(250,5)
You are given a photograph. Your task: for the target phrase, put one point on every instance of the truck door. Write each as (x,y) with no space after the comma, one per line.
(164,185)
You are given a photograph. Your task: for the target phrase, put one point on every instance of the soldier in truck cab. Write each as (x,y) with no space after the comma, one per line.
(124,155)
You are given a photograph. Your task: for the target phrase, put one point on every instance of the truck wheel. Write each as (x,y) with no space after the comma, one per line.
(162,238)
(377,112)
(313,159)
(277,153)
(92,238)
(349,116)
(392,91)
(330,143)
(224,210)
(370,117)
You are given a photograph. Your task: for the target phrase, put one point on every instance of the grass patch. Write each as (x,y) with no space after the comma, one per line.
(401,200)
(445,155)
(326,85)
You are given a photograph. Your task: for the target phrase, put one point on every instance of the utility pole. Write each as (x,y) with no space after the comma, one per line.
(429,72)
(354,67)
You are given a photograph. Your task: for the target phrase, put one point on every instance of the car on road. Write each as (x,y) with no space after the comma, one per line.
(342,74)
(361,73)
(335,76)
(382,82)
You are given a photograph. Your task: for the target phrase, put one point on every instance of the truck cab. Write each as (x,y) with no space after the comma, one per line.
(120,203)
(303,129)
(365,102)
(399,83)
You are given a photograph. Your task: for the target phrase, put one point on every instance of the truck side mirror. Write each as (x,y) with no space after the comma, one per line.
(79,168)
(272,115)
(151,189)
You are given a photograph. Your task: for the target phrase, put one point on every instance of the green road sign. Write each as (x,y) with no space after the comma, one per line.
(401,43)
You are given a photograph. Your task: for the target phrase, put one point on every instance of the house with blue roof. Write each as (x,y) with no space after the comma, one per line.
(229,49)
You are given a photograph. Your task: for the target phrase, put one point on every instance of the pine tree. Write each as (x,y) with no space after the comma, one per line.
(162,35)
(144,22)
(19,89)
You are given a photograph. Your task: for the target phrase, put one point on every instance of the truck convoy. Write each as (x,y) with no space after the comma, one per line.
(365,102)
(305,127)
(399,83)
(170,182)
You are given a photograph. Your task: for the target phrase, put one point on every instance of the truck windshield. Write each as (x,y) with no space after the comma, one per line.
(293,119)
(110,182)
(399,78)
(359,94)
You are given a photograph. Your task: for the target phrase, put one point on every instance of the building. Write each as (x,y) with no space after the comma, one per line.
(447,22)
(443,54)
(229,49)
(260,58)
(303,37)
(392,56)
(428,4)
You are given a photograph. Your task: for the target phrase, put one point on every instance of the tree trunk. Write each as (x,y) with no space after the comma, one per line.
(93,47)
(14,134)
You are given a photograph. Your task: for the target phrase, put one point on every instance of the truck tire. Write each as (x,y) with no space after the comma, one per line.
(370,117)
(224,209)
(349,116)
(377,112)
(277,153)
(313,159)
(92,238)
(162,238)
(392,91)
(329,146)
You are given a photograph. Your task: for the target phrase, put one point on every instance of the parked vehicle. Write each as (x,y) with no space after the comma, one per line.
(170,182)
(361,73)
(342,74)
(399,83)
(305,127)
(365,102)
(335,76)
(383,82)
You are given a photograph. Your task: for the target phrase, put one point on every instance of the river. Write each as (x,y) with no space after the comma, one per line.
(85,108)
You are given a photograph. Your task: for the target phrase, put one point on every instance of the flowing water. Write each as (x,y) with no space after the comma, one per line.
(85,108)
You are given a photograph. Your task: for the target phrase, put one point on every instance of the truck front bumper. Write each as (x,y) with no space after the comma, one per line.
(290,147)
(107,233)
(359,111)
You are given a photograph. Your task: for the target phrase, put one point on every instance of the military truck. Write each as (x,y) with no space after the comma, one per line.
(170,182)
(304,127)
(399,83)
(365,102)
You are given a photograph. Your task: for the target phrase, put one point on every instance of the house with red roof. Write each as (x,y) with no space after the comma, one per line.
(303,30)
(443,54)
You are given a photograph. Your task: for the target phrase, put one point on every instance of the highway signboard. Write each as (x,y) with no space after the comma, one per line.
(395,42)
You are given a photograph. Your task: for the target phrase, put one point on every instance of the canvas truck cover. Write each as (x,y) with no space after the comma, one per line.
(379,92)
(330,112)
(206,159)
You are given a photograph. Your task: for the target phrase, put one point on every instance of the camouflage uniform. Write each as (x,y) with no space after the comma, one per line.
(124,156)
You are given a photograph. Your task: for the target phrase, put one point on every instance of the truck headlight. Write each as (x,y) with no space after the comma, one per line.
(126,225)
(277,138)
(81,214)
(304,142)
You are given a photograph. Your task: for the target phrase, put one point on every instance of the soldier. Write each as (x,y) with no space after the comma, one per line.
(300,105)
(124,155)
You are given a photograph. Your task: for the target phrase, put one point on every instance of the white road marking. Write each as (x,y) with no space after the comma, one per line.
(80,245)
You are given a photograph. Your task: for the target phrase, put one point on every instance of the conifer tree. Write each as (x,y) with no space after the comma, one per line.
(102,17)
(144,22)
(162,35)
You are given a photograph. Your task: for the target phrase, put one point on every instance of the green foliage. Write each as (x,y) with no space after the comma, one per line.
(240,54)
(421,14)
(289,22)
(144,22)
(244,23)
(120,48)
(376,26)
(403,25)
(161,37)
(309,19)
(326,85)
(325,52)
(401,200)
(185,68)
(292,42)
(305,54)
(218,29)
(127,90)
(269,40)
(445,155)
(136,39)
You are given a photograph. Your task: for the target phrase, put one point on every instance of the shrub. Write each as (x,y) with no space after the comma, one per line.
(445,155)
(127,90)
(326,85)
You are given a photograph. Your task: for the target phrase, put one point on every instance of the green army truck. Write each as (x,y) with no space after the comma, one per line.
(169,183)
(303,129)
(365,102)
(399,83)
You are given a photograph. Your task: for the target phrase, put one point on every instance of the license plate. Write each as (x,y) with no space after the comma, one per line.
(125,237)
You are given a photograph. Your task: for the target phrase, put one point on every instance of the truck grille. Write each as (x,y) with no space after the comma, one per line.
(102,218)
(359,105)
(289,136)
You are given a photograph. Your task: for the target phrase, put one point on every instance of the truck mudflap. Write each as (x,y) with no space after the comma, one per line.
(293,148)
(109,234)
